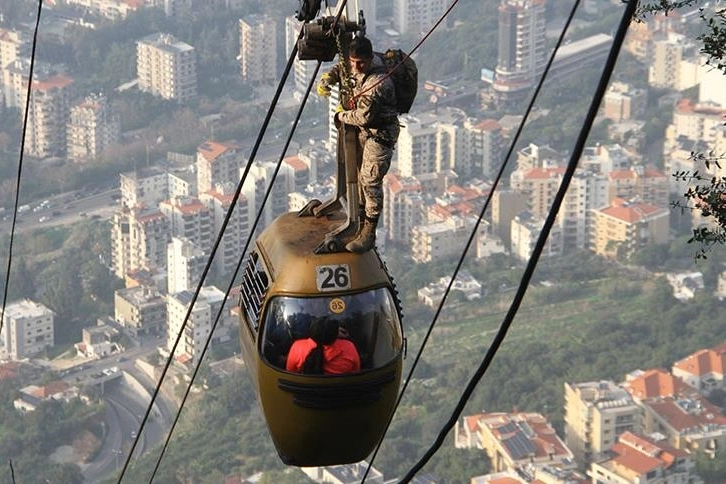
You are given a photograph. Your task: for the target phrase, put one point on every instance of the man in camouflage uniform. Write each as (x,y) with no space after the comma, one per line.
(373,111)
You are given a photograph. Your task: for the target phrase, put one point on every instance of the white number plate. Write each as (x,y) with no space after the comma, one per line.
(333,278)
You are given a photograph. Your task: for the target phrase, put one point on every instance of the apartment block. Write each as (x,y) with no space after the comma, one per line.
(540,185)
(627,225)
(522,48)
(189,218)
(92,128)
(258,49)
(257,185)
(440,239)
(196,329)
(14,44)
(144,187)
(522,441)
(697,121)
(646,183)
(525,230)
(27,329)
(587,191)
(704,370)
(691,424)
(47,116)
(110,9)
(185,265)
(645,460)
(140,310)
(656,383)
(416,16)
(237,230)
(596,413)
(623,102)
(430,142)
(539,156)
(483,150)
(139,238)
(166,67)
(403,207)
(217,163)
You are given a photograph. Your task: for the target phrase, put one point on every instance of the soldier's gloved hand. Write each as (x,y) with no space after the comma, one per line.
(324,85)
(336,117)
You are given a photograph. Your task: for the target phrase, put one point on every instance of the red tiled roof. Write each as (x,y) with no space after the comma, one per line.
(211,150)
(543,173)
(296,163)
(703,362)
(57,81)
(630,212)
(657,383)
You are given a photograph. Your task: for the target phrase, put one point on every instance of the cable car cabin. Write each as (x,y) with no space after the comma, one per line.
(321,419)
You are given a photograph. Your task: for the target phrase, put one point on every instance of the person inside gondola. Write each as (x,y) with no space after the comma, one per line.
(324,352)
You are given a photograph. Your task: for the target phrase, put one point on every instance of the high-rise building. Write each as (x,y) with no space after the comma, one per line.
(197,328)
(403,207)
(596,413)
(483,150)
(522,48)
(258,49)
(92,128)
(48,116)
(140,310)
(217,163)
(147,187)
(189,218)
(302,70)
(417,16)
(219,202)
(185,264)
(166,67)
(139,238)
(27,329)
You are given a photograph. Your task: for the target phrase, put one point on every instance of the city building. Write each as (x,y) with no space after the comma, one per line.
(522,49)
(192,333)
(525,230)
(140,310)
(703,370)
(27,329)
(645,460)
(646,183)
(691,424)
(98,341)
(439,240)
(596,413)
(656,383)
(48,116)
(345,474)
(144,187)
(185,264)
(430,142)
(623,102)
(540,185)
(139,238)
(258,49)
(235,233)
(257,190)
(217,163)
(483,149)
(92,128)
(166,67)
(627,225)
(189,218)
(110,9)
(522,442)
(403,207)
(418,16)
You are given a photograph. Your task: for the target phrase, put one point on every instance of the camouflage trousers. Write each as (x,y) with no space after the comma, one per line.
(375,162)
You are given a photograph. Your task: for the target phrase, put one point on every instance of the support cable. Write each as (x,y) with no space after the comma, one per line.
(541,240)
(20,164)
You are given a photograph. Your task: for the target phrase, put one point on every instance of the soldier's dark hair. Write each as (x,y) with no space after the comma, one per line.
(361,48)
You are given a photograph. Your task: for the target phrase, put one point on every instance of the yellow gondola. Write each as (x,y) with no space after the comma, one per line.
(319,419)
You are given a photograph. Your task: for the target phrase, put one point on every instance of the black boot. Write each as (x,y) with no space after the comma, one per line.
(366,238)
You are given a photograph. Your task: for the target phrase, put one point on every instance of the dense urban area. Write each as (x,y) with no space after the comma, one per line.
(140,120)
